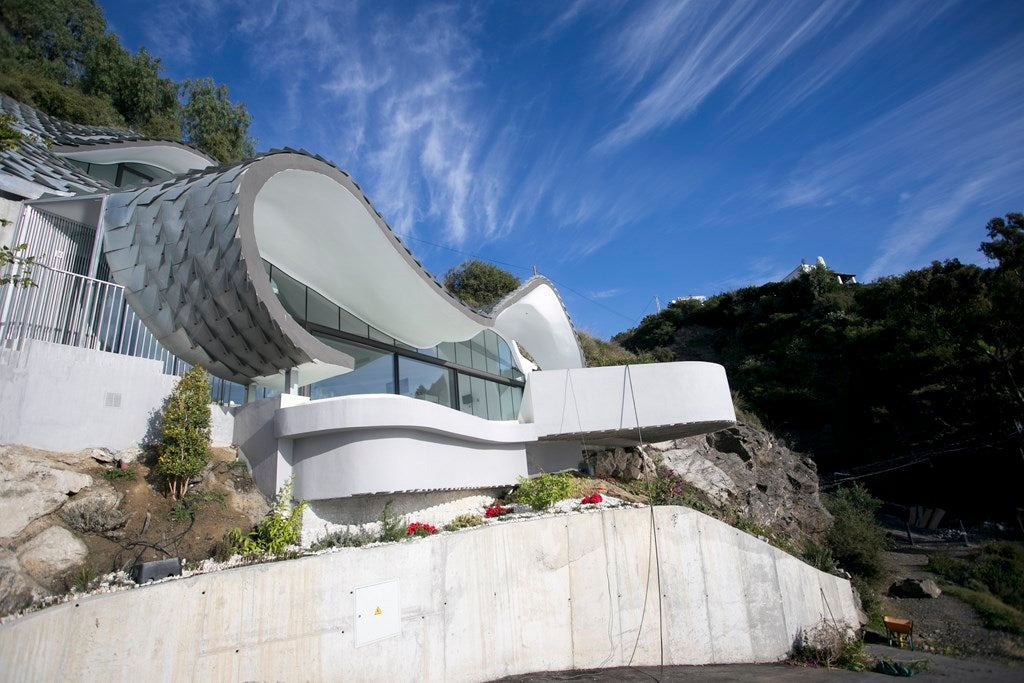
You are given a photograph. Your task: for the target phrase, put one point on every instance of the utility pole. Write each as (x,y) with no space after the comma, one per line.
(657,303)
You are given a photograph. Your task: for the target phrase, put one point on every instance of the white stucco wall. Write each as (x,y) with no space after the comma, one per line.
(550,593)
(56,397)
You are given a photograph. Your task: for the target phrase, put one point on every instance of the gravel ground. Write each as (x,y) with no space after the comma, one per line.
(940,668)
(945,624)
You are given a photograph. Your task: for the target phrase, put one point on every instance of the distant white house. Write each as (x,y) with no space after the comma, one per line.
(336,356)
(804,267)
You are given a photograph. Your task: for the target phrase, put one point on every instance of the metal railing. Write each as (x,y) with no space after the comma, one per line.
(76,310)
(70,308)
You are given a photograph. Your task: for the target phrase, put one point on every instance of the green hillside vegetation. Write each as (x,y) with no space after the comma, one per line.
(58,56)
(924,367)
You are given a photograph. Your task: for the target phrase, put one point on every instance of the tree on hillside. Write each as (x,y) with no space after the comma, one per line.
(213,123)
(184,447)
(53,35)
(1002,345)
(480,284)
(1007,245)
(147,102)
(58,56)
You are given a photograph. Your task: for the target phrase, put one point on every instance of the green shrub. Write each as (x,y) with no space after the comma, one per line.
(542,492)
(80,579)
(831,646)
(281,528)
(184,447)
(93,517)
(668,488)
(819,557)
(182,512)
(197,497)
(343,539)
(1000,566)
(464,522)
(856,540)
(392,526)
(995,613)
(115,473)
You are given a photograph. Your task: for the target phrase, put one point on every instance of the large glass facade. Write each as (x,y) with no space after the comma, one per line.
(476,376)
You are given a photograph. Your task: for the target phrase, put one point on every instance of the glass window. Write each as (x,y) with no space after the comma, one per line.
(106,172)
(479,357)
(374,372)
(380,336)
(320,311)
(446,351)
(504,358)
(505,398)
(463,354)
(517,398)
(353,325)
(493,404)
(131,178)
(424,381)
(290,292)
(465,394)
(479,397)
(491,350)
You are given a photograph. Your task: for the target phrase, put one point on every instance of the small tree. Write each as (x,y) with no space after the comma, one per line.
(184,448)
(479,284)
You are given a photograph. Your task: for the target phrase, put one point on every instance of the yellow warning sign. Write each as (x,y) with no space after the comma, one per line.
(377,613)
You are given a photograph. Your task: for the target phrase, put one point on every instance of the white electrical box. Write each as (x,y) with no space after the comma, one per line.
(378,612)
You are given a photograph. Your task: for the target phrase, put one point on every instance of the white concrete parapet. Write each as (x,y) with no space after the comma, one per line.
(672,400)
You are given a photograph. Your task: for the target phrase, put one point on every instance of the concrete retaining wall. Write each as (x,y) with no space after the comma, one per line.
(559,592)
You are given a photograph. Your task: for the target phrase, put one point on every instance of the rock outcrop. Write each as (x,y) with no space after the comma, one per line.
(51,553)
(750,470)
(32,484)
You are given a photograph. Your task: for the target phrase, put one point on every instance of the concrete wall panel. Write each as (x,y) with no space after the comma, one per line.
(594,591)
(636,570)
(723,579)
(763,600)
(687,626)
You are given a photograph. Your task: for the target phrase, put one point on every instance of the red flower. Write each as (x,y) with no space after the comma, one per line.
(497,511)
(593,500)
(420,529)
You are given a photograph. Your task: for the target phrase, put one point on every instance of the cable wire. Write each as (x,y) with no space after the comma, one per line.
(652,547)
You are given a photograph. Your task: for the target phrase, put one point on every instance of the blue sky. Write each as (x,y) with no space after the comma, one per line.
(633,149)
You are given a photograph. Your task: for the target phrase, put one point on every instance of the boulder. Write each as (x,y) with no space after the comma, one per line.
(17,590)
(915,588)
(100,495)
(51,553)
(32,485)
(127,456)
(624,463)
(749,469)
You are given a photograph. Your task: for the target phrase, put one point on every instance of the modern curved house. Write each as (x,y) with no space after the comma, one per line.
(356,370)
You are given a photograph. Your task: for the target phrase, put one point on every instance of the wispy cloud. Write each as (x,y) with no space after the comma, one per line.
(676,54)
(931,156)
